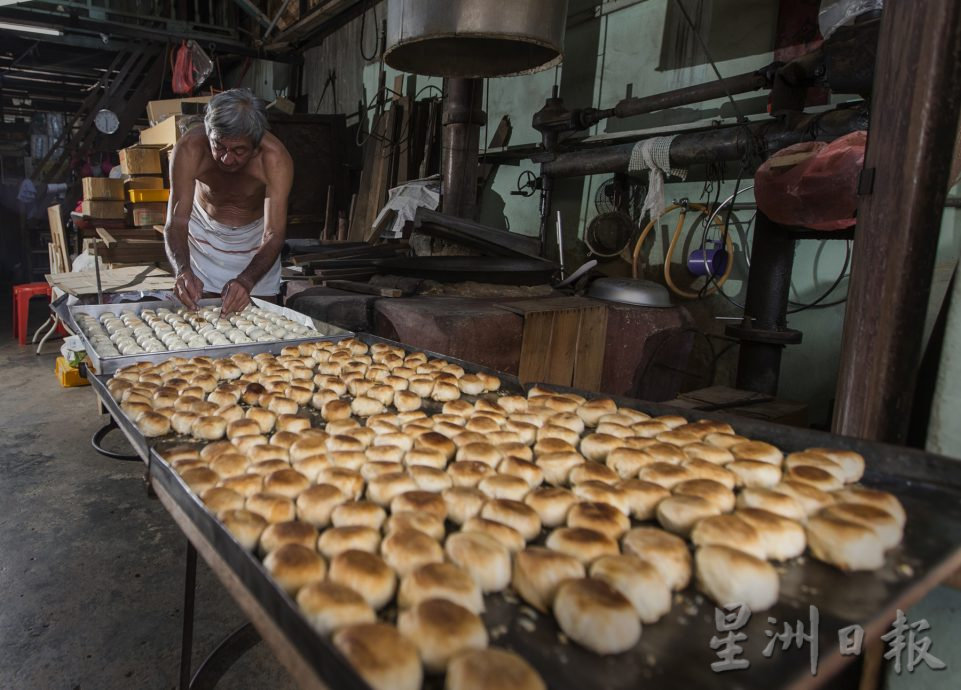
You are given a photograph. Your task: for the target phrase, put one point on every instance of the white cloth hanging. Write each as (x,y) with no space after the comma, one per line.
(654,155)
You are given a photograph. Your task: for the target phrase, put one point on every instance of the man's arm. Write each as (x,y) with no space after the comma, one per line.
(279,169)
(183,176)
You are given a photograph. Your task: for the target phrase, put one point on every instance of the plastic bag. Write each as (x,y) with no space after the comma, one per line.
(819,192)
(191,67)
(836,13)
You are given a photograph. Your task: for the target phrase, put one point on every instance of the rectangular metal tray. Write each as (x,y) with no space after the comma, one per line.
(676,651)
(109,365)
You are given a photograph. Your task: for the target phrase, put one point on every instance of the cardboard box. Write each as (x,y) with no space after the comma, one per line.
(140,160)
(166,133)
(102,209)
(104,188)
(148,214)
(157,111)
(139,196)
(69,376)
(143,182)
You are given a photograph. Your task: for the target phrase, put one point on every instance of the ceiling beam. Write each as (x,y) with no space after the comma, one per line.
(136,33)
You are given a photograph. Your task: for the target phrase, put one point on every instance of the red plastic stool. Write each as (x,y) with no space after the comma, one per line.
(22,294)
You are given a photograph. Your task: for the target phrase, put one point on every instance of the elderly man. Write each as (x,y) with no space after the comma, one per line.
(227,215)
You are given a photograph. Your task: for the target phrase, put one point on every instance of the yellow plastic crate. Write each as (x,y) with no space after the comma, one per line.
(68,376)
(147,195)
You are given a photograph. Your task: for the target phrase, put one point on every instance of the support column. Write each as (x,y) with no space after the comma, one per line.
(463,118)
(914,125)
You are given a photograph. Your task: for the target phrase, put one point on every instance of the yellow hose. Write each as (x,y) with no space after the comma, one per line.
(729,246)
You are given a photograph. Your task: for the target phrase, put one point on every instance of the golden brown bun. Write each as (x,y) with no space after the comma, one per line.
(230,464)
(720,496)
(419,501)
(463,503)
(428,523)
(506,535)
(219,499)
(680,513)
(153,424)
(442,630)
(291,532)
(329,606)
(582,543)
(286,482)
(665,474)
(666,453)
(813,459)
(468,473)
(704,469)
(810,498)
(200,479)
(294,566)
(642,498)
(504,486)
(264,418)
(514,514)
(244,484)
(316,503)
(851,462)
(551,503)
(773,501)
(484,558)
(245,443)
(639,582)
(539,571)
(491,669)
(349,481)
(665,551)
(596,447)
(628,462)
(308,446)
(440,581)
(358,514)
(758,451)
(814,476)
(271,507)
(405,550)
(268,451)
(426,458)
(884,525)
(783,539)
(755,473)
(709,453)
(878,499)
(601,517)
(367,573)
(596,616)
(384,488)
(336,540)
(729,530)
(384,658)
(245,526)
(557,466)
(727,575)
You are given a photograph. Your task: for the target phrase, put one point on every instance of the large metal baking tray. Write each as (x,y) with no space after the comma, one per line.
(675,652)
(108,365)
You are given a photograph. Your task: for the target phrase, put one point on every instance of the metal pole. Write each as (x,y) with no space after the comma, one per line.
(463,117)
(916,103)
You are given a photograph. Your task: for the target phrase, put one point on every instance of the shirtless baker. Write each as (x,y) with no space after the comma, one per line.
(227,216)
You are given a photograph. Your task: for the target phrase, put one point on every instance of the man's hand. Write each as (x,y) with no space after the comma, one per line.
(188,288)
(235,295)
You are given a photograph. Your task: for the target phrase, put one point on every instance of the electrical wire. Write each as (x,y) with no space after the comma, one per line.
(363,24)
(816,304)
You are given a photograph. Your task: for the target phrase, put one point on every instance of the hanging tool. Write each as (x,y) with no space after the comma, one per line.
(560,243)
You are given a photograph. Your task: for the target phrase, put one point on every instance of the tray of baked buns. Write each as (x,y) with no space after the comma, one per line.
(117,335)
(411,521)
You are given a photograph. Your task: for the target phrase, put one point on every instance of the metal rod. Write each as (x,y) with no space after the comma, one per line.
(463,117)
(560,242)
(916,103)
(96,269)
(742,83)
(187,634)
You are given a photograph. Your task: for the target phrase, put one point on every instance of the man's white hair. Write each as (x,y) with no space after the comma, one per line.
(236,114)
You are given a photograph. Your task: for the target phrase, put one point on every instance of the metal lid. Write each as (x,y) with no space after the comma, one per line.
(642,293)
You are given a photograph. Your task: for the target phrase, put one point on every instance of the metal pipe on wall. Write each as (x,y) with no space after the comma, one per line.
(463,118)
(916,104)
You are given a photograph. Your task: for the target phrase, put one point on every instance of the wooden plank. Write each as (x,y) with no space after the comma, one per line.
(57,234)
(108,239)
(563,350)
(380,179)
(589,356)
(365,288)
(535,344)
(372,175)
(529,306)
(500,138)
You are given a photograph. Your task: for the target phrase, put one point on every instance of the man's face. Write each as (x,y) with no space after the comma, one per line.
(231,154)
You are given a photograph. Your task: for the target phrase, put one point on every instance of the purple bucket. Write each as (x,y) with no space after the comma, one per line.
(711,260)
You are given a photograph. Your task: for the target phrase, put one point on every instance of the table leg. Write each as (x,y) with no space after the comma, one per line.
(187,636)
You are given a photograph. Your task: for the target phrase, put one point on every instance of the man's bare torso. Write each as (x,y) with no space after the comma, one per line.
(231,198)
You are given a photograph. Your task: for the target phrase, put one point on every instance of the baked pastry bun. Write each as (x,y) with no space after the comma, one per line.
(336,540)
(245,526)
(442,629)
(596,616)
(551,503)
(538,572)
(294,566)
(638,581)
(440,581)
(783,539)
(358,514)
(367,573)
(727,575)
(384,658)
(405,550)
(329,606)
(491,669)
(665,551)
(463,503)
(484,558)
(582,543)
(291,532)
(728,530)
(601,517)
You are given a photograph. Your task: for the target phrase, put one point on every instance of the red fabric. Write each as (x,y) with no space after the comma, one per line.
(182,78)
(820,192)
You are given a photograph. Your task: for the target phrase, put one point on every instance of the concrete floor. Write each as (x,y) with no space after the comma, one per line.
(92,569)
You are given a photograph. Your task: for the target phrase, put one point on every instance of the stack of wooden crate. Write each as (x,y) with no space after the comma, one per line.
(143,183)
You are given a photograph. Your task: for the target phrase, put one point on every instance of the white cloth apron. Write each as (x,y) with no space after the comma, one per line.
(219,252)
